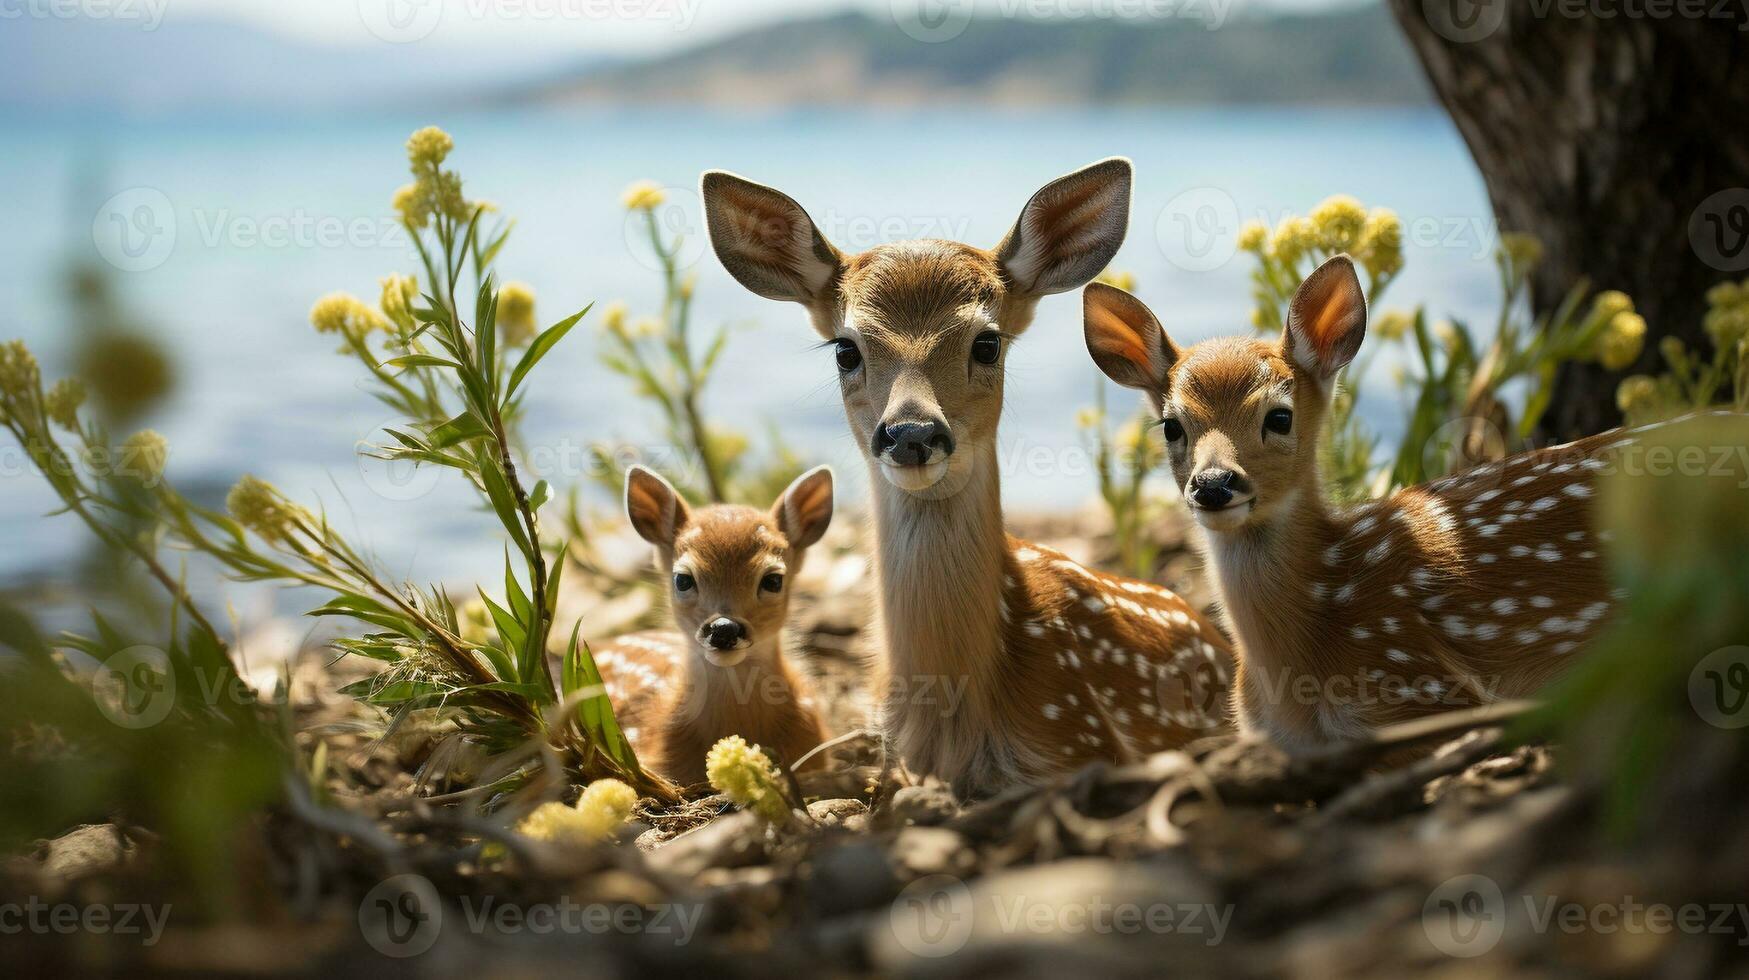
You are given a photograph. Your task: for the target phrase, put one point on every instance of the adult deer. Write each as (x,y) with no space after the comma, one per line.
(1469,589)
(1005,662)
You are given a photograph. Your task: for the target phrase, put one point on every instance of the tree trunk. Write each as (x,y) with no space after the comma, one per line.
(1621,142)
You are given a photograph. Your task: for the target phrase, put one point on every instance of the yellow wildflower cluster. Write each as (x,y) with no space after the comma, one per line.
(747,776)
(434,190)
(399,295)
(62,403)
(613,319)
(1337,220)
(347,315)
(1294,236)
(1622,340)
(604,807)
(1393,324)
(1125,281)
(19,374)
(516,323)
(1339,223)
(1380,246)
(1637,396)
(258,506)
(143,455)
(1727,315)
(1253,237)
(644,195)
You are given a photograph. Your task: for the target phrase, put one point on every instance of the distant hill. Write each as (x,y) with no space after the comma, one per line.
(1353,56)
(57,64)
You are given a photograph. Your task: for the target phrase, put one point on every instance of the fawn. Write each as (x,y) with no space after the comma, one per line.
(1466,590)
(722,671)
(1005,662)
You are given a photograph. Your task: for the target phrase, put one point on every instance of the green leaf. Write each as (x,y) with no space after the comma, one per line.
(513,593)
(541,493)
(420,360)
(503,502)
(509,627)
(537,350)
(460,429)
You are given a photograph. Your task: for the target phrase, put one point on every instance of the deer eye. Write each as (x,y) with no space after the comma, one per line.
(849,358)
(1173,428)
(684,582)
(1279,421)
(772,582)
(986,348)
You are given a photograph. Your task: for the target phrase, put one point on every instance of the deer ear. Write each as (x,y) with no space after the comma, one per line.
(1126,341)
(656,511)
(1070,230)
(766,241)
(805,509)
(1327,319)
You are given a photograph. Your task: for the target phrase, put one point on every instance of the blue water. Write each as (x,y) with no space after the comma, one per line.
(261,393)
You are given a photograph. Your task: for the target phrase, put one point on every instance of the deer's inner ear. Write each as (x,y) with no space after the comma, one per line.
(767,241)
(1327,319)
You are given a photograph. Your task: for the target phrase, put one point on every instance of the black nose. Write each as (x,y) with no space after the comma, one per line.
(912,443)
(723,633)
(1213,489)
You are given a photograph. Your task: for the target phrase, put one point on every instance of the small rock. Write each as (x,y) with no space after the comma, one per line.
(850,878)
(734,841)
(928,804)
(833,813)
(86,850)
(932,850)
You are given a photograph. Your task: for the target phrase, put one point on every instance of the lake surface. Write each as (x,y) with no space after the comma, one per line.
(269,214)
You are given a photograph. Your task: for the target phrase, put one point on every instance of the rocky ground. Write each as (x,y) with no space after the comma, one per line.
(1463,857)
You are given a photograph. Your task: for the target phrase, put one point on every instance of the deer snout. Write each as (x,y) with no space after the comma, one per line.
(723,633)
(1214,487)
(912,442)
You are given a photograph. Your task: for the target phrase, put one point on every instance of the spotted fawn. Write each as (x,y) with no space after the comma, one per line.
(721,671)
(1466,590)
(1005,663)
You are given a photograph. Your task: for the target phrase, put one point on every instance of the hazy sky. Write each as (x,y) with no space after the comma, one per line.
(626,25)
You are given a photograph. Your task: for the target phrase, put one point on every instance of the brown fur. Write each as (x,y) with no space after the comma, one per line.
(1466,590)
(673,694)
(1004,663)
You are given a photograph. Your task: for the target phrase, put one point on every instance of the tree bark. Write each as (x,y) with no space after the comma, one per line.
(1622,142)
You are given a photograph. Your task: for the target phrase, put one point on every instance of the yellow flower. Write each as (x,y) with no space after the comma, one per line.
(1727,326)
(256,505)
(1523,252)
(62,403)
(645,327)
(1448,335)
(1622,341)
(1380,246)
(1125,281)
(413,205)
(1393,324)
(603,808)
(1636,394)
(1253,236)
(1088,418)
(399,295)
(1728,293)
(606,805)
(1610,302)
(19,375)
(345,314)
(1133,442)
(1338,220)
(1672,349)
(1292,239)
(143,455)
(613,319)
(428,147)
(644,195)
(475,621)
(747,776)
(516,314)
(688,284)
